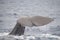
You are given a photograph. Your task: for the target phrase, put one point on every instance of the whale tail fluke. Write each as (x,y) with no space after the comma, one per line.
(18,30)
(29,21)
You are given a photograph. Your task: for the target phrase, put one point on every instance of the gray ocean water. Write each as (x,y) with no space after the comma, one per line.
(10,10)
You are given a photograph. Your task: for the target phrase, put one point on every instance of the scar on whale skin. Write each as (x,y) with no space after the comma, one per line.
(24,21)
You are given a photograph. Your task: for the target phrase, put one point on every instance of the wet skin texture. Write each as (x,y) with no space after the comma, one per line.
(18,30)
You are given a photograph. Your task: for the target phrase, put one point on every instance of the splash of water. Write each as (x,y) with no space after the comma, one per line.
(29,36)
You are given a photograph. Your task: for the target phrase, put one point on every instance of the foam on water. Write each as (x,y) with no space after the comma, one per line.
(5,35)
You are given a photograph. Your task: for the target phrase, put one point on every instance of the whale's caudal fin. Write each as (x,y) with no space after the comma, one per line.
(29,21)
(18,30)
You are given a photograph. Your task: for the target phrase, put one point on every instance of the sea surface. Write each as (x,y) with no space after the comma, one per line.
(11,10)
